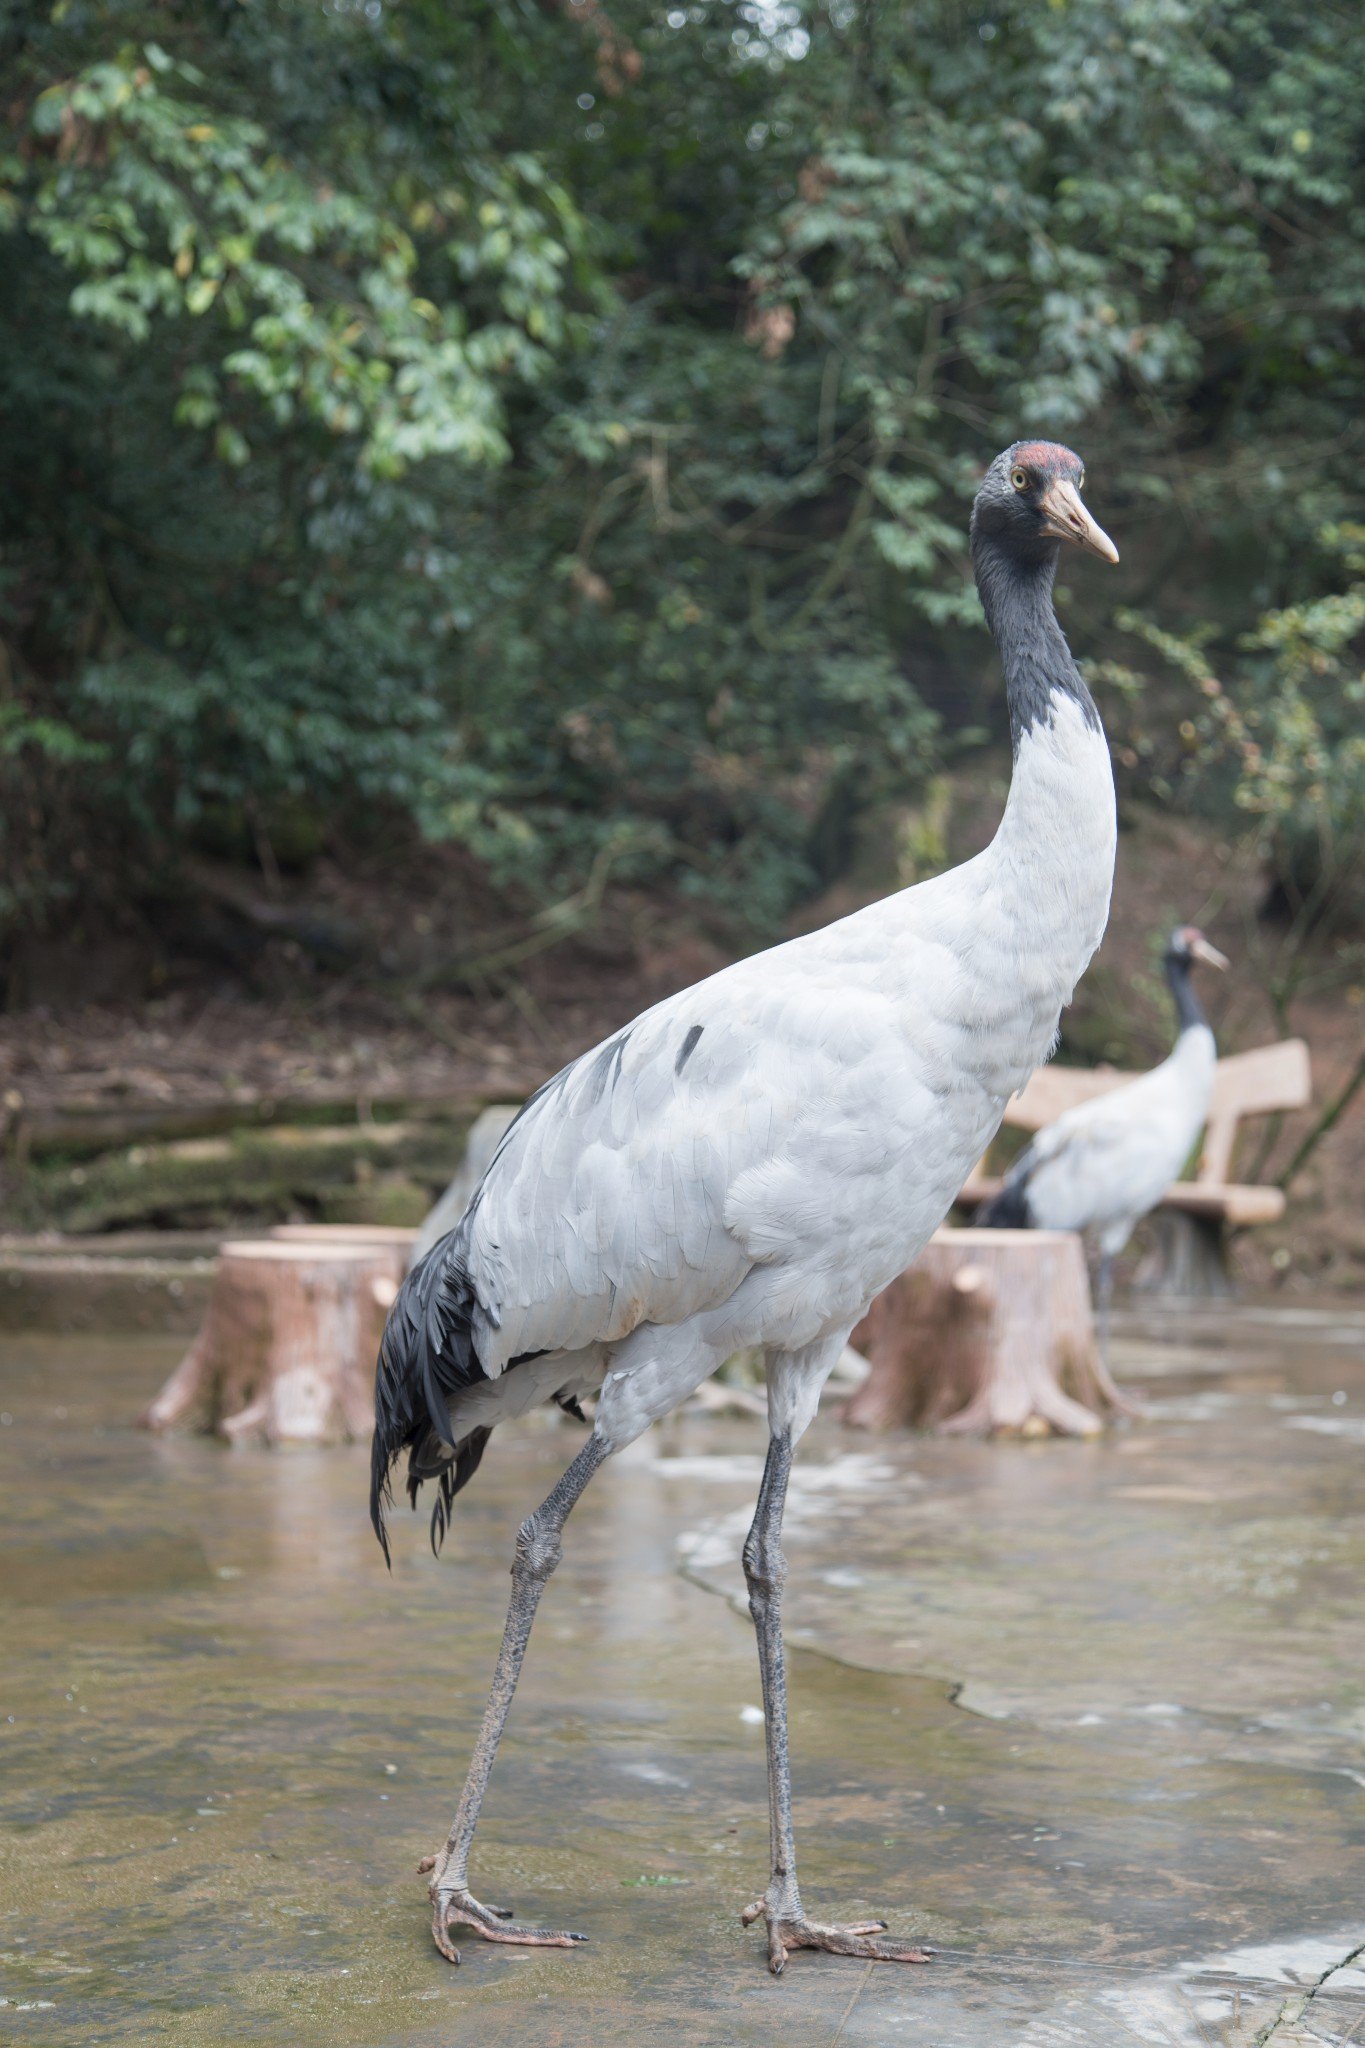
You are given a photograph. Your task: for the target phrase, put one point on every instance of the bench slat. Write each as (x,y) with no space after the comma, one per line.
(1236,1203)
(1269,1077)
(1050,1090)
(1255,1083)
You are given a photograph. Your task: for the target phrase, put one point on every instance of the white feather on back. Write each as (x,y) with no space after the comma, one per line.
(822,1123)
(1110,1160)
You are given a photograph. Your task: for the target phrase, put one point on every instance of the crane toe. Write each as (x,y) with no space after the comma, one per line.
(788,1931)
(453,1906)
(429,1863)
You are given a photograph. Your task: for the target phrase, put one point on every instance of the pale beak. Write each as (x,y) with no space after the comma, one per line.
(1067,519)
(1200,949)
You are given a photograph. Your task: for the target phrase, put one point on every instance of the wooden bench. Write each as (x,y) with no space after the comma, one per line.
(1196,1215)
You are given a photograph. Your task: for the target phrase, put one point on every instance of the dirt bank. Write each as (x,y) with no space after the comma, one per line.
(443,996)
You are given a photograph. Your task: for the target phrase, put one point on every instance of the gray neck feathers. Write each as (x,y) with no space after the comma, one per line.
(1016,596)
(1188,1008)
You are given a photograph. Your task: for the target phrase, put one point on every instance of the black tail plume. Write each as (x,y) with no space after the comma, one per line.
(1009,1208)
(426,1357)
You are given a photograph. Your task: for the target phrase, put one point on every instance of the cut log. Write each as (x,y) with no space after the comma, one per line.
(990,1332)
(287,1350)
(349,1236)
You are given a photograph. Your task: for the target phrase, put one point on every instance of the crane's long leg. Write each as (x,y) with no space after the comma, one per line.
(765,1570)
(1121,1403)
(1105,1291)
(536,1555)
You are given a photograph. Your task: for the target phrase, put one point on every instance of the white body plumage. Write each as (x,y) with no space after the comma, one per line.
(756,1157)
(1104,1164)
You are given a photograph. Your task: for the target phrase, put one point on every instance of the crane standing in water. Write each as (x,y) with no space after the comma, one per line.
(754,1159)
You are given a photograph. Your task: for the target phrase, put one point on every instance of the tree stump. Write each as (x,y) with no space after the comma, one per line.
(989,1333)
(287,1350)
(397,1237)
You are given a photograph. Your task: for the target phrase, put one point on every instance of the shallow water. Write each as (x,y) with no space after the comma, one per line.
(1089,1717)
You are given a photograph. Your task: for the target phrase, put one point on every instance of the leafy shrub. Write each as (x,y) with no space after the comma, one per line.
(554,428)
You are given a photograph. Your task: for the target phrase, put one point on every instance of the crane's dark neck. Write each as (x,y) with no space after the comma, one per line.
(1188,1008)
(1016,595)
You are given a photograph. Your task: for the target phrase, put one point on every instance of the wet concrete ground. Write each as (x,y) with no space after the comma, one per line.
(1088,1717)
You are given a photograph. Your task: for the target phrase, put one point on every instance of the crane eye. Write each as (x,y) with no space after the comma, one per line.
(1019,478)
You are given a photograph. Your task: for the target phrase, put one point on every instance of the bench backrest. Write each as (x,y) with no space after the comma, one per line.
(1272,1077)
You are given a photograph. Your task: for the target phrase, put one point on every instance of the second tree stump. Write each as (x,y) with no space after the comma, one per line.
(990,1331)
(287,1350)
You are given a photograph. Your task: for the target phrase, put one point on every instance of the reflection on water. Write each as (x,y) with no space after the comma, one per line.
(1092,1719)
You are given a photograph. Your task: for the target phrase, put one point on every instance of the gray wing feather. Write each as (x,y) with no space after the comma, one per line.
(1106,1158)
(603,1207)
(642,1187)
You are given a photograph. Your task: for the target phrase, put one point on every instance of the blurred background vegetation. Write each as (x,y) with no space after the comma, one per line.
(548,426)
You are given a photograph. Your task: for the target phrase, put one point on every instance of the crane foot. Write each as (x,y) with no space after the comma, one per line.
(788,1929)
(454,1906)
(429,1863)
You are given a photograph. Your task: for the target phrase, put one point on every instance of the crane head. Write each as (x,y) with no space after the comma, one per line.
(1188,943)
(1030,499)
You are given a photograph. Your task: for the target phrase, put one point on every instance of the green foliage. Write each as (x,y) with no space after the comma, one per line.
(553,427)
(1285,744)
(169,208)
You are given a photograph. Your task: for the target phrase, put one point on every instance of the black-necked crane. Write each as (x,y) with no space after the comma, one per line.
(751,1161)
(1104,1165)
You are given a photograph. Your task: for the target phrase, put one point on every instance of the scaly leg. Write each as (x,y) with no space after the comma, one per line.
(537,1553)
(1105,1291)
(1121,1403)
(765,1569)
